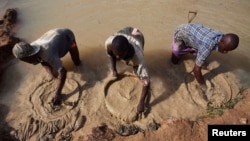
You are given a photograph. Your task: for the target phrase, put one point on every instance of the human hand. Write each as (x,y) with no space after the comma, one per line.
(49,78)
(57,99)
(203,87)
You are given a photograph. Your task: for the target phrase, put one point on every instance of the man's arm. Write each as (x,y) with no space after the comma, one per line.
(145,88)
(61,80)
(60,83)
(113,65)
(199,77)
(110,54)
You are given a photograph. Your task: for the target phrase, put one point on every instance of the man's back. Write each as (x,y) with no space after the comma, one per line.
(197,35)
(203,39)
(54,44)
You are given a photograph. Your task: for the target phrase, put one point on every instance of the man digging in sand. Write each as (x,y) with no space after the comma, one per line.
(127,46)
(48,50)
(200,41)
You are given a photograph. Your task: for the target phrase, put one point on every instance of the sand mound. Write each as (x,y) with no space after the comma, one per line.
(122,97)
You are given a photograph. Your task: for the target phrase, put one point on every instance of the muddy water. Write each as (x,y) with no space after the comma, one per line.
(93,21)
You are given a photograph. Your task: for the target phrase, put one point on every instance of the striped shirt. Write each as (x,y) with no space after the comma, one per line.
(203,39)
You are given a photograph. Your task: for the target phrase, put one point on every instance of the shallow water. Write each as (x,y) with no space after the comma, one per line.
(93,21)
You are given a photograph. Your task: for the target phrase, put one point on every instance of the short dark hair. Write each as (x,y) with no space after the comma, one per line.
(120,43)
(234,39)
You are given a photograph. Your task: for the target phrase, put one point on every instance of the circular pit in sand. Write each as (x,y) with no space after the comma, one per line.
(122,97)
(219,89)
(41,97)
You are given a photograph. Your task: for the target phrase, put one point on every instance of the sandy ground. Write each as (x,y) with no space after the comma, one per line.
(91,98)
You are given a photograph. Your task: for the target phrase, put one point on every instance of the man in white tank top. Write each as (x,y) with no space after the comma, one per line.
(127,46)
